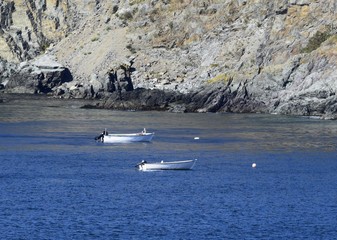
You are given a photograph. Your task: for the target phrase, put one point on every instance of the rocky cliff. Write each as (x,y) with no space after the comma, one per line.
(179,55)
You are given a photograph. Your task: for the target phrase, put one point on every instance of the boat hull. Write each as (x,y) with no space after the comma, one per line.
(126,138)
(175,165)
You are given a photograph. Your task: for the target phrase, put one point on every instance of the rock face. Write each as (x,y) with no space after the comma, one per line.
(203,56)
(40,76)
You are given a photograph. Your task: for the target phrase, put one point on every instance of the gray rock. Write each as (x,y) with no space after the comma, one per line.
(40,76)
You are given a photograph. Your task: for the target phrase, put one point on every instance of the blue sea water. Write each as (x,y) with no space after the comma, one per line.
(56,182)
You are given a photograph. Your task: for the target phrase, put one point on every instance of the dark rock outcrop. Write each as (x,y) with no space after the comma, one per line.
(41,76)
(140,99)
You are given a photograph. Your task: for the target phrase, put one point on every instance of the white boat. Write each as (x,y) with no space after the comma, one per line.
(142,136)
(175,165)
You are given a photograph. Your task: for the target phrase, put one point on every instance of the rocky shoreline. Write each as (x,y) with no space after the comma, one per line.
(116,91)
(199,102)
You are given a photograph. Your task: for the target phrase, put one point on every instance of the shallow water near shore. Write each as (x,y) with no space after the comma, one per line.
(56,182)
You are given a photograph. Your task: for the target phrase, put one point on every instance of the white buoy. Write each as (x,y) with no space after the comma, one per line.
(196,138)
(254,165)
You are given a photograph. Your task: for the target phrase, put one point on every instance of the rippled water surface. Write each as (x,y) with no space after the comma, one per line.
(56,182)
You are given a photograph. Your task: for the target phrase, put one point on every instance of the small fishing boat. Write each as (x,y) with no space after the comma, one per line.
(142,136)
(175,165)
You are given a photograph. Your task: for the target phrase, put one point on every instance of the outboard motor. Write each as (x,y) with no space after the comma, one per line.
(141,163)
(99,137)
